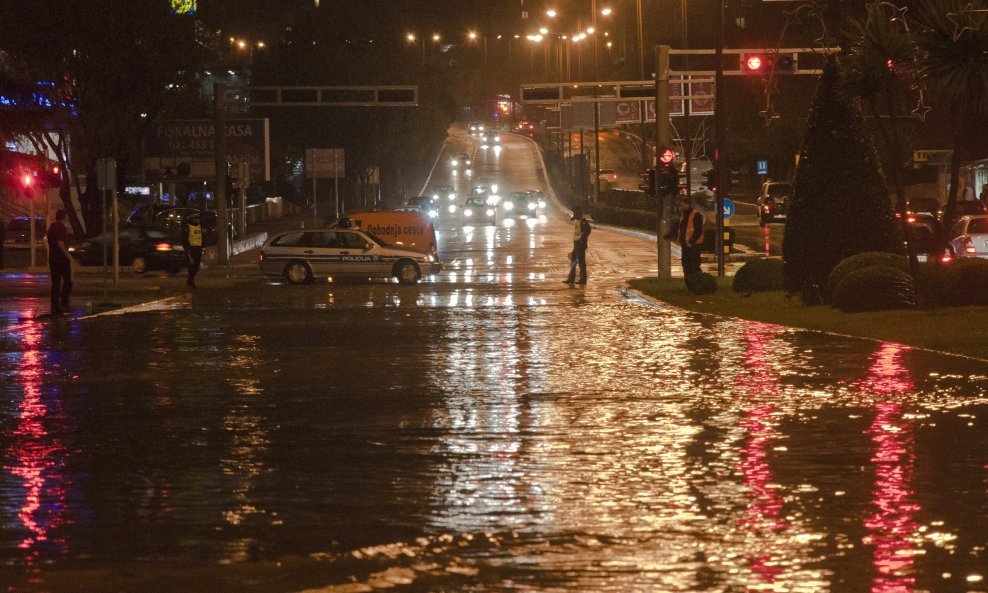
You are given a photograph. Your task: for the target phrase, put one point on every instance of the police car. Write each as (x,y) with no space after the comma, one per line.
(301,255)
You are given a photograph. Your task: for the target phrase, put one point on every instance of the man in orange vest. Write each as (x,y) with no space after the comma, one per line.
(690,235)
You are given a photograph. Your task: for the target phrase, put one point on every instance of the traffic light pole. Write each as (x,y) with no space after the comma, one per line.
(720,158)
(662,141)
(219,144)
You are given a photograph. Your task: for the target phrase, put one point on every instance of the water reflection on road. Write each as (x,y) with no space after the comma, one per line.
(489,429)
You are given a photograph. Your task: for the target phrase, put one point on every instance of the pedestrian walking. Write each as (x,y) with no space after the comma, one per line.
(3,237)
(192,242)
(59,264)
(690,235)
(578,257)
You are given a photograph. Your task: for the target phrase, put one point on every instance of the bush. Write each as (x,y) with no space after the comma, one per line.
(759,275)
(636,219)
(701,283)
(864,260)
(965,282)
(875,288)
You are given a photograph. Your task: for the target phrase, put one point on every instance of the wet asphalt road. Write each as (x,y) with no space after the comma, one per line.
(490,429)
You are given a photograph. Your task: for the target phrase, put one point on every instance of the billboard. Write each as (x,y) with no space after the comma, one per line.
(169,142)
(184,6)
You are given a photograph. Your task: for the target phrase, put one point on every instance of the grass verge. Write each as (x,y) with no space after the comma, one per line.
(959,330)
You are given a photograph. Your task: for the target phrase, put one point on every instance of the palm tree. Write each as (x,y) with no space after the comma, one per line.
(880,65)
(952,58)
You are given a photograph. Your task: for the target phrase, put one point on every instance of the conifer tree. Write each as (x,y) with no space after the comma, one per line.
(840,204)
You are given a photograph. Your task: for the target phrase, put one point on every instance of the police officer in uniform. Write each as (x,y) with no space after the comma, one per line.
(192,242)
(581,234)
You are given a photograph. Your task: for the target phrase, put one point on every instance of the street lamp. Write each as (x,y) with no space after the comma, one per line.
(551,13)
(436,37)
(606,11)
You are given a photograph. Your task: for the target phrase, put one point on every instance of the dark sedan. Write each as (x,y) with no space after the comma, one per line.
(141,249)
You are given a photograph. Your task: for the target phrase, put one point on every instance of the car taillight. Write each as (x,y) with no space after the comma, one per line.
(911,219)
(946,258)
(969,246)
(163,247)
(260,258)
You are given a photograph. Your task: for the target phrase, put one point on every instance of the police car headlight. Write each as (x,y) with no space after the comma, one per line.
(468,212)
(452,208)
(509,206)
(490,212)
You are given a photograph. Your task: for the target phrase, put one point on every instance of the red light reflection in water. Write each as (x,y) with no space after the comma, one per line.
(33,454)
(892,523)
(759,386)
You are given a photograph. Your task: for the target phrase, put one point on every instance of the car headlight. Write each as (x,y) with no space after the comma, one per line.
(493,188)
(454,163)
(468,212)
(433,213)
(509,206)
(541,204)
(452,196)
(452,208)
(481,128)
(531,206)
(490,212)
(435,197)
(469,162)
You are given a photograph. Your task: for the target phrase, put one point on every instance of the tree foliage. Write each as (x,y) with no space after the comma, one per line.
(840,205)
(105,69)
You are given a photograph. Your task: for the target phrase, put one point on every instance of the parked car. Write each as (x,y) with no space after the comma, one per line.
(928,206)
(961,209)
(477,210)
(923,232)
(18,234)
(301,255)
(969,237)
(773,202)
(141,249)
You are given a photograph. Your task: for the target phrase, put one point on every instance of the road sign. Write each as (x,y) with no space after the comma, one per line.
(325,163)
(762,167)
(728,208)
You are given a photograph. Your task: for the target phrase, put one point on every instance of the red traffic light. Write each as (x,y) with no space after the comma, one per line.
(754,63)
(667,156)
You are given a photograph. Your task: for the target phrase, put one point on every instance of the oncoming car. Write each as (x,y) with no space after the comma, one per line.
(478,209)
(301,255)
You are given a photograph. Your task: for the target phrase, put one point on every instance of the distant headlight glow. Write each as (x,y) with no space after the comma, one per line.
(452,208)
(509,206)
(490,212)
(531,206)
(468,212)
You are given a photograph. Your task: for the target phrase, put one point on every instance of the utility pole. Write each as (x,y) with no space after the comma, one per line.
(720,157)
(596,106)
(219,148)
(642,105)
(662,141)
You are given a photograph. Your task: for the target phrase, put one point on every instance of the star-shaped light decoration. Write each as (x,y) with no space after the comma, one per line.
(898,14)
(921,108)
(963,20)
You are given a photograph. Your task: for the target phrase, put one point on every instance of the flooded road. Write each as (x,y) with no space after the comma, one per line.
(489,429)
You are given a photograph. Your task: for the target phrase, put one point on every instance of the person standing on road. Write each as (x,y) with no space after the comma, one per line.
(59,264)
(690,235)
(581,234)
(192,242)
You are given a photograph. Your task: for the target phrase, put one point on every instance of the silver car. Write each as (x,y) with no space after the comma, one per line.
(301,255)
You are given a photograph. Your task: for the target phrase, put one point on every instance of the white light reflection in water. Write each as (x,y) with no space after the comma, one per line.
(488,483)
(242,462)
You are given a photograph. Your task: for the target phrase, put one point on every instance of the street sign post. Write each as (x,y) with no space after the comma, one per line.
(106,180)
(762,166)
(728,208)
(325,163)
